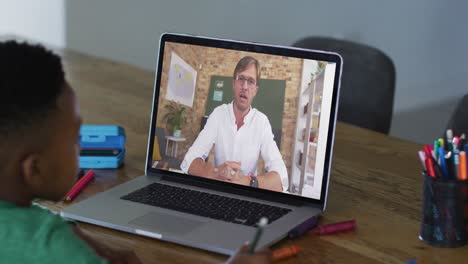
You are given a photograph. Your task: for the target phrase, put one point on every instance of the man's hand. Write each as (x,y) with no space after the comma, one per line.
(229,171)
(242,256)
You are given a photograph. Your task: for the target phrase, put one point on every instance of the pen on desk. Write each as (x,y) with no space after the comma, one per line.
(304,227)
(335,227)
(261,224)
(76,189)
(285,253)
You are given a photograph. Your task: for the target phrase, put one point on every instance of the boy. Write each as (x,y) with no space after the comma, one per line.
(39,128)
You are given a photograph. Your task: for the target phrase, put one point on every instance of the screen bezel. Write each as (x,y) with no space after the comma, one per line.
(258,48)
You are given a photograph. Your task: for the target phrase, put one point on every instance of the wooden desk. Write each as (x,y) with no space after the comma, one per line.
(375,179)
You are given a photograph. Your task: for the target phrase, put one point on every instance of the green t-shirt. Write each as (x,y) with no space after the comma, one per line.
(36,235)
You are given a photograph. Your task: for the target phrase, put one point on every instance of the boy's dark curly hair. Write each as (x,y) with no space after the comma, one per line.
(31,80)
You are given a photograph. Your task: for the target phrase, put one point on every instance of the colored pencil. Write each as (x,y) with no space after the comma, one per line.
(79,186)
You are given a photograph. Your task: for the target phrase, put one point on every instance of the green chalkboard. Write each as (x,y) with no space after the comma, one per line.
(269,99)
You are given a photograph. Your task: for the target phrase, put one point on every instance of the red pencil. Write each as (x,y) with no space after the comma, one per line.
(76,189)
(335,227)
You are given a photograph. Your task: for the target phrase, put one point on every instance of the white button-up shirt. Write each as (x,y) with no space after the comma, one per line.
(254,138)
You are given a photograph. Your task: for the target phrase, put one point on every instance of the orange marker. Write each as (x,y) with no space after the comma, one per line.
(285,253)
(462,173)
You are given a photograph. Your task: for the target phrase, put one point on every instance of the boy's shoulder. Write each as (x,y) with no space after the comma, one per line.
(30,221)
(44,235)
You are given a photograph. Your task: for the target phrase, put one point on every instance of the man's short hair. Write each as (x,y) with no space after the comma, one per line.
(244,63)
(31,80)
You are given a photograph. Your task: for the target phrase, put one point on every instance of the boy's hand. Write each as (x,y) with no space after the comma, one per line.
(242,256)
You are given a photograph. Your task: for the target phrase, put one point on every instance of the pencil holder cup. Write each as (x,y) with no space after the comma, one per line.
(445,212)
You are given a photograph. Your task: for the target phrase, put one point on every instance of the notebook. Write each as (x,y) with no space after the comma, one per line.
(238,131)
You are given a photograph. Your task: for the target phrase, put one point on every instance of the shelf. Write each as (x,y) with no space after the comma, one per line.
(308,172)
(306,91)
(305,110)
(312,135)
(308,122)
(313,114)
(299,167)
(313,144)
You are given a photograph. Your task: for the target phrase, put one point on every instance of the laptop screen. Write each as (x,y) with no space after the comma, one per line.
(245,114)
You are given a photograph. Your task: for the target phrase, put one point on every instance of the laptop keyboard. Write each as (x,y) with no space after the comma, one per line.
(205,204)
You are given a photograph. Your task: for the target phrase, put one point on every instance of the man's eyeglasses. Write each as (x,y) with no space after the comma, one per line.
(241,79)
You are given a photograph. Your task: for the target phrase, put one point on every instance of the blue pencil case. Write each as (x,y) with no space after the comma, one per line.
(102,138)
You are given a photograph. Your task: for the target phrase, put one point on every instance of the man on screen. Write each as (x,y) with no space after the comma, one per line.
(240,134)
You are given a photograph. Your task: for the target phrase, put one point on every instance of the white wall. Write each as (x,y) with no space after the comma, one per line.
(42,21)
(425,38)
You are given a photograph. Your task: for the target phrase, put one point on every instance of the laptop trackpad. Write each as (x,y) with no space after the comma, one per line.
(166,223)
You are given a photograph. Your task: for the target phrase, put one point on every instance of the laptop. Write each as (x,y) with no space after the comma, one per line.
(238,131)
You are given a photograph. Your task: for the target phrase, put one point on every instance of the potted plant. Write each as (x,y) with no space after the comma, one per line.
(175,118)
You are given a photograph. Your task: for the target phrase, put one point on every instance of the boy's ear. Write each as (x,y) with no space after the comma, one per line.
(31,171)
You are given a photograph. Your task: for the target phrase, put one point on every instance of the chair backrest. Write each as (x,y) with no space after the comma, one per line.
(458,122)
(367,83)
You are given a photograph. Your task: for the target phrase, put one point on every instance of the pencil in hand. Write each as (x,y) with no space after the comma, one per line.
(261,224)
(79,186)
